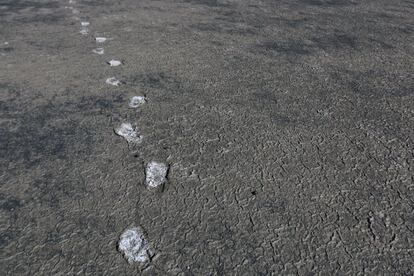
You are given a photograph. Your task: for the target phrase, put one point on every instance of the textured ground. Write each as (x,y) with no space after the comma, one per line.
(288,127)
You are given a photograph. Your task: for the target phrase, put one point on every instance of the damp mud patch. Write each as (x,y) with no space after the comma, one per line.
(134,246)
(129,132)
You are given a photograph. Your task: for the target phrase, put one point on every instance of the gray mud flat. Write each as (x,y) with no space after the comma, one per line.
(288,128)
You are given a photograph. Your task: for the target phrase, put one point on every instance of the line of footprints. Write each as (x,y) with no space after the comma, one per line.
(132,243)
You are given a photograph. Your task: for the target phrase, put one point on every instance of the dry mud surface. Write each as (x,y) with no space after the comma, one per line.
(287,128)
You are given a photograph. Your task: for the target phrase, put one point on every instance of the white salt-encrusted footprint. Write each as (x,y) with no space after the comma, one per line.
(99,51)
(137,101)
(113,81)
(100,39)
(134,246)
(114,62)
(156,174)
(130,133)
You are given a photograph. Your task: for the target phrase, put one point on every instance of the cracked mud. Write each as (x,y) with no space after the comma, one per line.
(288,127)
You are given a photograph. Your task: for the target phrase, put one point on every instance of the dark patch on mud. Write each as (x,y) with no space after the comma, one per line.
(159,80)
(294,23)
(382,44)
(364,84)
(404,29)
(330,42)
(6,237)
(235,19)
(92,105)
(221,28)
(16,6)
(230,15)
(209,3)
(51,188)
(46,18)
(262,100)
(9,203)
(98,3)
(327,3)
(206,27)
(30,11)
(336,41)
(289,48)
(281,119)
(52,131)
(33,135)
(264,96)
(6,49)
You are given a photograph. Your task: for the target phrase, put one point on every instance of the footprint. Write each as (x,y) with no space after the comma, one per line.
(156,174)
(84,31)
(113,81)
(100,39)
(137,101)
(134,246)
(114,63)
(130,133)
(99,51)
